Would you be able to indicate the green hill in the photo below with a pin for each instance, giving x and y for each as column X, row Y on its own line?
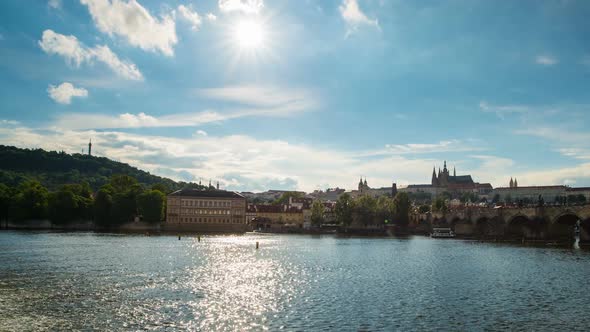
column 54, row 169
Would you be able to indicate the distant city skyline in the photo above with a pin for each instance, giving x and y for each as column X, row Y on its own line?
column 304, row 95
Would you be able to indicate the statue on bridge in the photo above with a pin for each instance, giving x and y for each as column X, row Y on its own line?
column 540, row 201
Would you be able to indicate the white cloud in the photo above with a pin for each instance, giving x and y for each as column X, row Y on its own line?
column 251, row 101
column 131, row 21
column 571, row 175
column 546, row 60
column 76, row 53
column 201, row 133
column 64, row 92
column 67, row 46
column 55, row 4
column 235, row 160
column 441, row 146
column 124, row 69
column 502, row 110
column 245, row 6
column 245, row 163
column 5, row 122
column 354, row 16
column 191, row 16
column 211, row 17
column 259, row 95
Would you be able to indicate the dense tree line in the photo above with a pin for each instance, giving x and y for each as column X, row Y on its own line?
column 52, row 169
column 366, row 211
column 120, row 200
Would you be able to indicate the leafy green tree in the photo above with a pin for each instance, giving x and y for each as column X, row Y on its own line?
column 161, row 187
column 440, row 205
column 401, row 206
column 365, row 209
column 151, row 205
column 70, row 202
column 284, row 199
column 31, row 201
column 103, row 204
column 384, row 208
column 5, row 201
column 582, row 199
column 122, row 183
column 62, row 206
column 424, row 209
column 124, row 207
column 317, row 213
column 344, row 209
column 496, row 199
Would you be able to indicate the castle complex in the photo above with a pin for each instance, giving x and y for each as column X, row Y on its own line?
column 443, row 181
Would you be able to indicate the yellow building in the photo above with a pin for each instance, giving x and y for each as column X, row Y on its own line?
column 206, row 211
column 276, row 217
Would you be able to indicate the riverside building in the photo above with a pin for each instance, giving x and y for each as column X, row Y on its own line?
column 206, row 211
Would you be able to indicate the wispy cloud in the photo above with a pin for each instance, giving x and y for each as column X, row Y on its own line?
column 546, row 60
column 444, row 146
column 245, row 102
column 134, row 23
column 242, row 162
column 55, row 4
column 258, row 95
column 502, row 110
column 211, row 17
column 76, row 53
column 245, row 6
column 64, row 93
column 191, row 16
column 354, row 16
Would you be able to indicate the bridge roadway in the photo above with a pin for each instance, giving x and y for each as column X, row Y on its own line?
column 545, row 222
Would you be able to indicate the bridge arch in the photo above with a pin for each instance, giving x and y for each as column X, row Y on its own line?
column 563, row 226
column 462, row 226
column 521, row 226
column 489, row 226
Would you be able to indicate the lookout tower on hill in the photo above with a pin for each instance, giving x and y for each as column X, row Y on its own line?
column 90, row 147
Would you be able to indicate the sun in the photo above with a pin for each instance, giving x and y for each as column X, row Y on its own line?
column 250, row 34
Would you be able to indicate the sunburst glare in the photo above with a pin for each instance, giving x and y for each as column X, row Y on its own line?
column 249, row 34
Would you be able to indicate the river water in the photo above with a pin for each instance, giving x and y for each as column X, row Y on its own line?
column 88, row 281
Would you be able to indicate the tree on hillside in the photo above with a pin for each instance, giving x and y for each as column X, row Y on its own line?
column 424, row 209
column 317, row 213
column 151, row 205
column 122, row 183
column 440, row 205
column 343, row 210
column 161, row 187
column 284, row 199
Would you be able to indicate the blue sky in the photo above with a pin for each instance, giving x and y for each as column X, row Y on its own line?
column 304, row 94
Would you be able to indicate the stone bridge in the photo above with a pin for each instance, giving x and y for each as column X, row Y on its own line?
column 545, row 222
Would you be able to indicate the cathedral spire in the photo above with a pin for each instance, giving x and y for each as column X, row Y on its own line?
column 454, row 171
column 515, row 183
column 511, row 183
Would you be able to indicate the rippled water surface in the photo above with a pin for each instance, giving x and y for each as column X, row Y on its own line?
column 85, row 281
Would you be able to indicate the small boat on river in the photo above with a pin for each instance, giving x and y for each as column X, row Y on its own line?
column 442, row 233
